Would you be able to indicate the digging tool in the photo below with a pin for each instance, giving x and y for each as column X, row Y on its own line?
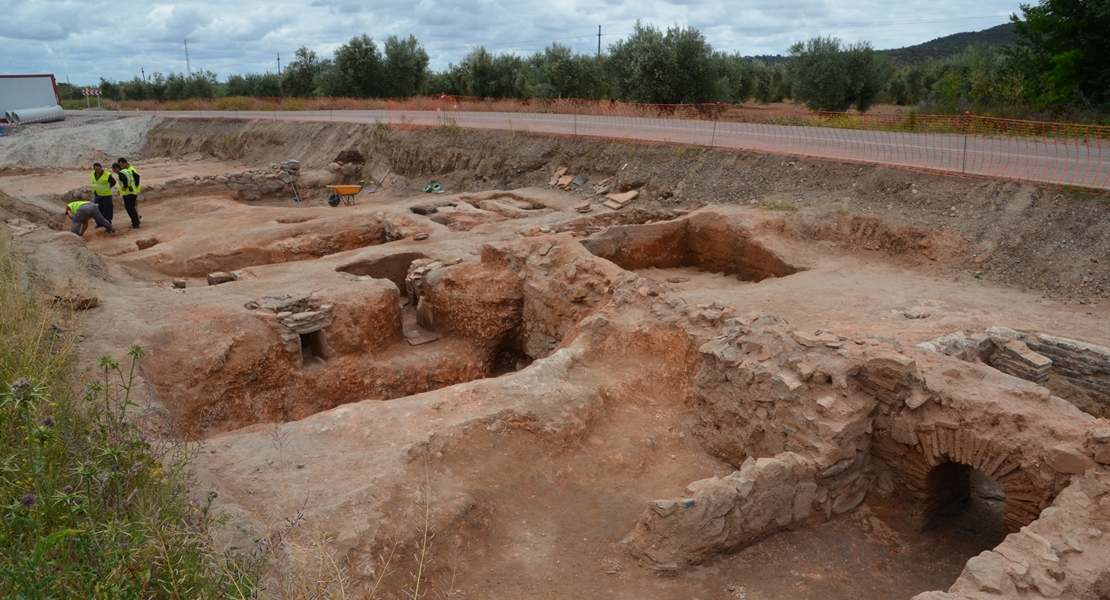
column 296, row 166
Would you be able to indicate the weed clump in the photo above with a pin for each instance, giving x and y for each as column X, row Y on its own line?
column 91, row 506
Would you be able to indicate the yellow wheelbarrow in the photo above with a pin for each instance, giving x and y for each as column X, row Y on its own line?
column 344, row 193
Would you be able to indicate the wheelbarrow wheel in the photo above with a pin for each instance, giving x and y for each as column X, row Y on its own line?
column 333, row 199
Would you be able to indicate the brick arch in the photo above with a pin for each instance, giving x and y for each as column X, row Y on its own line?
column 932, row 446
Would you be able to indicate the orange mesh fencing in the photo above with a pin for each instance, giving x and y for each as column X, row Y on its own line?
column 1041, row 153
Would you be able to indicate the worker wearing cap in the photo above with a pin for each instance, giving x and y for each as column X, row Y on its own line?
column 131, row 196
column 83, row 210
column 102, row 184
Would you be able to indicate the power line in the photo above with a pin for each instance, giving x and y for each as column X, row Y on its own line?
column 751, row 29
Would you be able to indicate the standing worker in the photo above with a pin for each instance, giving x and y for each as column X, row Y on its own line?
column 83, row 210
column 102, row 183
column 130, row 200
column 127, row 192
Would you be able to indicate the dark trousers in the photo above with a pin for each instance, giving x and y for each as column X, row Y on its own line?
column 129, row 202
column 86, row 212
column 104, row 203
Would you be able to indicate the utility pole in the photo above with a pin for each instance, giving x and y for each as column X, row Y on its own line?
column 188, row 67
column 599, row 40
column 144, row 74
column 279, row 64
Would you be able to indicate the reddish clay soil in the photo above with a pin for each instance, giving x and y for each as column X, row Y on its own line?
column 583, row 365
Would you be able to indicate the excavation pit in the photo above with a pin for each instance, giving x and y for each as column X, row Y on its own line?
column 394, row 267
column 701, row 242
column 611, row 404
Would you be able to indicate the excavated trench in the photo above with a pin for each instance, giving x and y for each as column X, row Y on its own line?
column 456, row 323
column 310, row 239
column 697, row 243
column 421, row 325
column 949, row 497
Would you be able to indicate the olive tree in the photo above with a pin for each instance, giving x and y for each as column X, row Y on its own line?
column 826, row 76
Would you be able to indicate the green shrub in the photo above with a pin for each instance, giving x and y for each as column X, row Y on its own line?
column 90, row 506
column 233, row 103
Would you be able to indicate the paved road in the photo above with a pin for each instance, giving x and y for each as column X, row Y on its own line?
column 1035, row 160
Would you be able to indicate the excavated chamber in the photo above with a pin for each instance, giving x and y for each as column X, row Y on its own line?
column 703, row 241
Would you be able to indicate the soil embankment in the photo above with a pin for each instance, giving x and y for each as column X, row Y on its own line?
column 1049, row 240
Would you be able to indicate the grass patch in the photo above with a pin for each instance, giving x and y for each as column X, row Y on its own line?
column 786, row 205
column 450, row 126
column 233, row 103
column 293, row 104
column 91, row 506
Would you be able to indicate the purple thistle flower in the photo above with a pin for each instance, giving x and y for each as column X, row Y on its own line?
column 68, row 489
column 79, row 500
column 28, row 500
column 48, row 422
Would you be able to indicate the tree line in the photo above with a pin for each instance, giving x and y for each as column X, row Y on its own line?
column 1057, row 61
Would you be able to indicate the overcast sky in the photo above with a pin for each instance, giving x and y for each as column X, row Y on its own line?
column 85, row 41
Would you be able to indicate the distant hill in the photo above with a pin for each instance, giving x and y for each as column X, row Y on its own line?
column 936, row 49
column 950, row 44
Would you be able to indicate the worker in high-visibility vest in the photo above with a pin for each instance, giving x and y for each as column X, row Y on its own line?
column 81, row 211
column 102, row 184
column 128, row 192
column 131, row 196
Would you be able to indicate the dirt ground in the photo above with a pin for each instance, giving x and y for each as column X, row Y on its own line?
column 539, row 476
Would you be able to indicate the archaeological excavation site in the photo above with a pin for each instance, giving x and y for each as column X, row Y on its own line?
column 542, row 367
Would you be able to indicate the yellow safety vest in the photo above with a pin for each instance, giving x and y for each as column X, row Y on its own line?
column 124, row 179
column 73, row 206
column 101, row 187
column 132, row 189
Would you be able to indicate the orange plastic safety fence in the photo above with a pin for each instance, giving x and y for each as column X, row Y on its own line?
column 1052, row 154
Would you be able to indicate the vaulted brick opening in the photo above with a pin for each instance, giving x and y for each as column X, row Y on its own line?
column 946, row 465
column 964, row 503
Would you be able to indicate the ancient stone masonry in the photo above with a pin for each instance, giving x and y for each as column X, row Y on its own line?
column 722, row 513
column 1060, row 555
column 845, row 414
column 1077, row 366
column 1084, row 365
column 526, row 295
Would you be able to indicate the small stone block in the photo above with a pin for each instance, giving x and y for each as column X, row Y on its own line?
column 219, row 277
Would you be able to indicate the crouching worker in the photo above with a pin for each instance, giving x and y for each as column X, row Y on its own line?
column 82, row 211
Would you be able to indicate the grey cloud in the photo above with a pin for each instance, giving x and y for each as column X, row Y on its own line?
column 183, row 21
column 45, row 21
column 245, row 36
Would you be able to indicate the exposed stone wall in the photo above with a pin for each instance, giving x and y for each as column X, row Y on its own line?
column 1085, row 366
column 855, row 409
column 528, row 293
column 478, row 301
column 724, row 513
column 1076, row 370
column 1060, row 555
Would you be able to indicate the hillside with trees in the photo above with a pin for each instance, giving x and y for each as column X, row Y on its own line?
column 1049, row 63
column 951, row 45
